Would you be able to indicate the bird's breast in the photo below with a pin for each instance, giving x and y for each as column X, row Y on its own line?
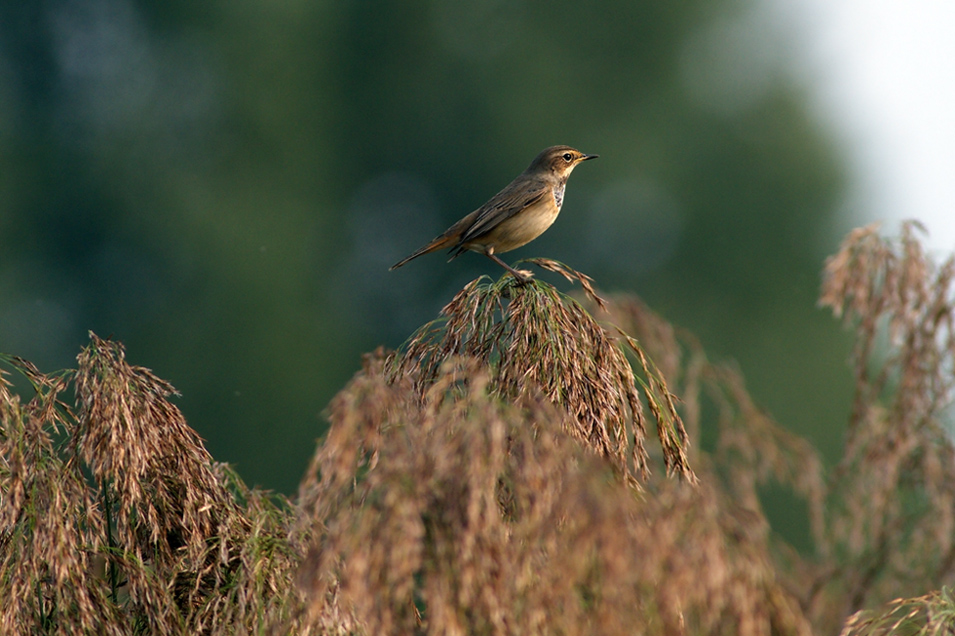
column 523, row 227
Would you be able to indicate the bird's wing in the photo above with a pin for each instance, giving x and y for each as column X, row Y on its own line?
column 508, row 202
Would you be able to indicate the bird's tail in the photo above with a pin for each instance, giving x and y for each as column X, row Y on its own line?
column 437, row 244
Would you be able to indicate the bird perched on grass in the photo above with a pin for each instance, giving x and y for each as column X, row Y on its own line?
column 516, row 215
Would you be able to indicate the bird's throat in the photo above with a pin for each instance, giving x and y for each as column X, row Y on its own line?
column 559, row 193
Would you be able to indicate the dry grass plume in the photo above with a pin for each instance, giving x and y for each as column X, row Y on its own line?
column 496, row 475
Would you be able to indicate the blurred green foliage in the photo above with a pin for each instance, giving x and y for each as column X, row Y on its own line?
column 222, row 186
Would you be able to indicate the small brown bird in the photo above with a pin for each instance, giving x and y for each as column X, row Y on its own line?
column 516, row 215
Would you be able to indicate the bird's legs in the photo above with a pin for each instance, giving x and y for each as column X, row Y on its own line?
column 522, row 279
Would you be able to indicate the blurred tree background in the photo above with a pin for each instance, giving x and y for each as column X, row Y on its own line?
column 222, row 186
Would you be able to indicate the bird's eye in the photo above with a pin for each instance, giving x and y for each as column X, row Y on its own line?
column 568, row 156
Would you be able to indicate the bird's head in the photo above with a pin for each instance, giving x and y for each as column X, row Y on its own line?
column 558, row 161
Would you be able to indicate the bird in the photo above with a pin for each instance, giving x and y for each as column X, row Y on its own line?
column 516, row 215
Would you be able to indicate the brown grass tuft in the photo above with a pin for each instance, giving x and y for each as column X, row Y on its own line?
column 532, row 339
column 927, row 615
column 481, row 480
column 752, row 449
column 48, row 520
column 893, row 494
column 453, row 511
column 117, row 521
column 882, row 521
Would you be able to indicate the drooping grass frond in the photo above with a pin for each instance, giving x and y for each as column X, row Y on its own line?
column 535, row 340
column 49, row 521
column 115, row 519
column 457, row 511
column 929, row 615
column 478, row 480
column 893, row 493
column 751, row 448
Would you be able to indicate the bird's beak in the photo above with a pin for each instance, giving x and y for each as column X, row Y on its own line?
column 586, row 157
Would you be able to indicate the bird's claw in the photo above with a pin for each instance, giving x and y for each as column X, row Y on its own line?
column 522, row 276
